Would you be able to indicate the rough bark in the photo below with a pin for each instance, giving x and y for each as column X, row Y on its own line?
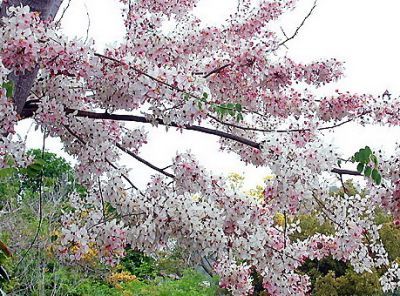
column 23, row 82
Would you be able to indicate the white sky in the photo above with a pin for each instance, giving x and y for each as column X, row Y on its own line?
column 364, row 33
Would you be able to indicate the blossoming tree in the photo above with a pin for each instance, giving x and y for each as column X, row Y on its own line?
column 231, row 82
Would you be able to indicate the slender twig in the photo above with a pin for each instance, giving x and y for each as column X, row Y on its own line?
column 342, row 182
column 323, row 207
column 63, row 13
column 285, row 130
column 298, row 28
column 284, row 229
column 138, row 158
column 141, row 72
column 103, row 221
column 102, row 200
column 106, row 159
column 217, row 70
column 40, row 207
column 167, row 167
column 88, row 26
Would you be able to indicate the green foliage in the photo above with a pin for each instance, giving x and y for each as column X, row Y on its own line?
column 5, row 255
column 318, row 269
column 390, row 235
column 222, row 110
column 58, row 280
column 367, row 164
column 49, row 170
column 348, row 285
column 171, row 263
column 310, row 225
column 66, row 281
column 9, row 87
column 144, row 267
column 148, row 268
column 192, row 283
column 232, row 109
column 56, row 170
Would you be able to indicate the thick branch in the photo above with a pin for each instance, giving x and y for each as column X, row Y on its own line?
column 134, row 118
column 28, row 112
column 345, row 172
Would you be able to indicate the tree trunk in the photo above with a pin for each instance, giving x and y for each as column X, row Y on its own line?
column 23, row 83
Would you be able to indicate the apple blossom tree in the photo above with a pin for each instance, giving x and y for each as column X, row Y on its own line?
column 232, row 82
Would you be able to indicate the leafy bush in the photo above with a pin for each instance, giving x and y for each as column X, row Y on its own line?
column 350, row 284
column 192, row 283
column 142, row 266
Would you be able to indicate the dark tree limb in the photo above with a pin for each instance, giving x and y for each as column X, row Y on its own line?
column 29, row 111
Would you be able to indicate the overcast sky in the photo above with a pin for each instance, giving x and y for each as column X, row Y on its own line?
column 364, row 33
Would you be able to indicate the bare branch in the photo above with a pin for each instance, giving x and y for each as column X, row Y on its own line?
column 218, row 70
column 103, row 207
column 138, row 158
column 345, row 172
column 63, row 13
column 88, row 26
column 298, row 28
column 40, row 205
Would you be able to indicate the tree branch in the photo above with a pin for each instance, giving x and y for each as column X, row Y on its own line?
column 286, row 130
column 106, row 159
column 298, row 28
column 345, row 172
column 134, row 118
column 138, row 158
column 141, row 72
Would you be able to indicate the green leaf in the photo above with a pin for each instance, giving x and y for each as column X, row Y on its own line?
column 367, row 171
column 368, row 150
column 374, row 159
column 360, row 167
column 364, row 155
column 378, row 179
column 40, row 161
column 186, row 96
column 9, row 87
column 7, row 172
column 376, row 176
